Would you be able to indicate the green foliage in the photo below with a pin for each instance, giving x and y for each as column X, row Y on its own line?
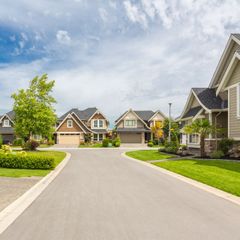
column 175, row 131
column 18, row 142
column 171, row 147
column 87, row 137
column 1, row 141
column 225, row 145
column 150, row 144
column 33, row 107
column 23, row 161
column 105, row 142
column 116, row 142
column 6, row 149
column 217, row 154
column 31, row 145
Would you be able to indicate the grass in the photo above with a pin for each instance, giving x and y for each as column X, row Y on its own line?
column 90, row 145
column 9, row 172
column 146, row 155
column 221, row 174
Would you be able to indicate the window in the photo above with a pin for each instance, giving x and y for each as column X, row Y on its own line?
column 69, row 123
column 130, row 123
column 98, row 123
column 6, row 123
column 95, row 123
column 194, row 138
column 97, row 137
column 100, row 137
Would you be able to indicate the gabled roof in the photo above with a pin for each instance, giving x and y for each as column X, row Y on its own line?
column 192, row 112
column 10, row 115
column 145, row 115
column 236, row 35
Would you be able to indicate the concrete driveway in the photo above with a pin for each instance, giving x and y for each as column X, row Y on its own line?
column 101, row 196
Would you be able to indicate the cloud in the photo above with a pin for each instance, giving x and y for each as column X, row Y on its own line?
column 63, row 37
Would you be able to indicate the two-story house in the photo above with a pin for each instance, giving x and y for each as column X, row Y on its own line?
column 6, row 127
column 135, row 126
column 75, row 125
column 220, row 102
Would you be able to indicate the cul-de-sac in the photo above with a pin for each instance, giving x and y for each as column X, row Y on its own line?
column 119, row 120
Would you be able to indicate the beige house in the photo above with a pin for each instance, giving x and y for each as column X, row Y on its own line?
column 75, row 125
column 220, row 102
column 135, row 126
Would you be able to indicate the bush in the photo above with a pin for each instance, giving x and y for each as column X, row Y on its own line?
column 150, row 144
column 18, row 142
column 23, row 161
column 51, row 142
column 116, row 142
column 1, row 141
column 225, row 145
column 155, row 142
column 217, row 154
column 6, row 149
column 31, row 145
column 105, row 142
column 171, row 147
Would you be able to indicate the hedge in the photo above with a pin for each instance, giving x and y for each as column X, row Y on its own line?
column 26, row 162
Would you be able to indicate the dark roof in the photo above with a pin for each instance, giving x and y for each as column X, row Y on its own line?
column 237, row 35
column 192, row 112
column 82, row 114
column 145, row 115
column 11, row 114
column 208, row 98
column 132, row 130
column 100, row 130
column 6, row 130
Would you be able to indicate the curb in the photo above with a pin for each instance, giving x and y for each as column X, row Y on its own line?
column 217, row 192
column 9, row 214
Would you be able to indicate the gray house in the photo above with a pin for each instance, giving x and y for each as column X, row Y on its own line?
column 6, row 127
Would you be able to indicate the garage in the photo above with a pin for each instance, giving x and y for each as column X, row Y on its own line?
column 131, row 137
column 69, row 139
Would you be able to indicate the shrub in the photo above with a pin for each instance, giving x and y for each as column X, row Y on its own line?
column 1, row 141
column 51, row 142
column 31, row 145
column 18, row 142
column 116, row 142
column 217, row 154
column 150, row 144
column 155, row 142
column 105, row 142
column 6, row 149
column 225, row 145
column 171, row 147
column 23, row 161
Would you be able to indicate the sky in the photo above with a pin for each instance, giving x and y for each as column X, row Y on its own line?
column 112, row 54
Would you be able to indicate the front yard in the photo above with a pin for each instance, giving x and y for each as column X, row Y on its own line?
column 146, row 155
column 10, row 172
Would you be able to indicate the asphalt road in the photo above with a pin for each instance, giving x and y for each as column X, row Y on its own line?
column 101, row 196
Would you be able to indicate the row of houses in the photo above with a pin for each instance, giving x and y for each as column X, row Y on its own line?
column 219, row 102
column 75, row 125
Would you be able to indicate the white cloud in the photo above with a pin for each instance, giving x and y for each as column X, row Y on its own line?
column 63, row 37
column 103, row 14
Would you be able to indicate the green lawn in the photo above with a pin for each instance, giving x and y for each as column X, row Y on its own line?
column 95, row 145
column 10, row 172
column 146, row 155
column 224, row 175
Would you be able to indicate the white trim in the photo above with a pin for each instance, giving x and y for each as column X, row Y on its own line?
column 228, row 113
column 227, row 48
column 238, row 100
column 69, row 133
column 158, row 111
column 7, row 125
column 98, row 121
column 69, row 125
column 97, row 112
column 228, row 72
column 236, row 138
column 232, row 86
column 197, row 115
column 5, row 115
column 208, row 110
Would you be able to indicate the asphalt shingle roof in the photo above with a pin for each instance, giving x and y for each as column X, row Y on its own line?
column 237, row 35
column 137, row 130
column 192, row 112
column 145, row 115
column 208, row 98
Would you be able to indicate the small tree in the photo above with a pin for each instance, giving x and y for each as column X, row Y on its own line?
column 33, row 107
column 157, row 130
column 175, row 131
column 203, row 128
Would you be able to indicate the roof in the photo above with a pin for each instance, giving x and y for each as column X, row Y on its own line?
column 11, row 114
column 236, row 35
column 192, row 112
column 6, row 130
column 82, row 114
column 207, row 96
column 145, row 115
column 132, row 130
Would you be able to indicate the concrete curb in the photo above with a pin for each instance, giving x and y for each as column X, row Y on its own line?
column 9, row 214
column 202, row 186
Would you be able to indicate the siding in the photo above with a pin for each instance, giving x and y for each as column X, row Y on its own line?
column 235, row 77
column 64, row 127
column 130, row 116
column 234, row 122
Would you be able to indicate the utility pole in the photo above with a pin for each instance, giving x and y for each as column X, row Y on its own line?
column 169, row 124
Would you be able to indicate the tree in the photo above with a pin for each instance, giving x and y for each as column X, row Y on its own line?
column 175, row 131
column 157, row 130
column 203, row 128
column 33, row 107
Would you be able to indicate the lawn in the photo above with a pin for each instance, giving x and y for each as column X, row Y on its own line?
column 10, row 172
column 146, row 155
column 224, row 175
column 95, row 145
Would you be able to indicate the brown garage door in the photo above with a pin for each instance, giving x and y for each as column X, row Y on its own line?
column 131, row 137
column 69, row 139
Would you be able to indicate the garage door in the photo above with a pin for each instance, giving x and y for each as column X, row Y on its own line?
column 131, row 137
column 69, row 139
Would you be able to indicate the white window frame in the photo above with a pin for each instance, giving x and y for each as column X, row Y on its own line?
column 238, row 100
column 8, row 123
column 197, row 137
column 97, row 138
column 69, row 123
column 130, row 125
column 96, row 123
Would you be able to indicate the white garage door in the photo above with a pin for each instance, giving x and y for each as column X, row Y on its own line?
column 69, row 139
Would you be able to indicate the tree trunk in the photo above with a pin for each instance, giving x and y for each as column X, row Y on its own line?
column 202, row 146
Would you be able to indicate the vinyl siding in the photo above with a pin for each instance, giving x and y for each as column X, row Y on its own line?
column 234, row 122
column 64, row 127
column 235, row 77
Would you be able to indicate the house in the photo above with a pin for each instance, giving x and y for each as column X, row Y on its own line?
column 219, row 103
column 75, row 126
column 6, row 127
column 135, row 126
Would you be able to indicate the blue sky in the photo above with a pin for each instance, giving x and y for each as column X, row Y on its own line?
column 114, row 54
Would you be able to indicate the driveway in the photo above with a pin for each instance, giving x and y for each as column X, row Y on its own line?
column 101, row 196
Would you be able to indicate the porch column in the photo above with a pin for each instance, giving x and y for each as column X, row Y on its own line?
column 211, row 122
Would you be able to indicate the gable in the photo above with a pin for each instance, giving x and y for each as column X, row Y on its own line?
column 235, row 77
column 76, row 126
column 5, row 117
column 158, row 117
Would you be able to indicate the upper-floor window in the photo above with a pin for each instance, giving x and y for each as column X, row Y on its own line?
column 130, row 123
column 98, row 123
column 69, row 123
column 6, row 123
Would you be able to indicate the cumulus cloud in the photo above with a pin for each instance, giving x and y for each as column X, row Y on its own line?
column 63, row 37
